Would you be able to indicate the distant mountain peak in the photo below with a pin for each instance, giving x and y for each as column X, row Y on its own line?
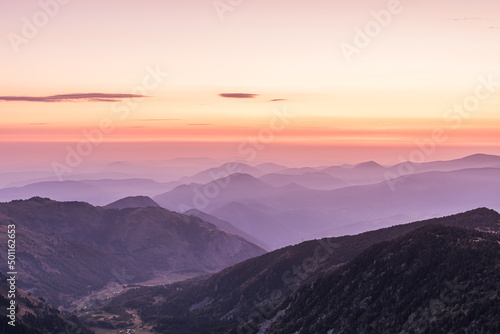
column 132, row 202
column 235, row 204
column 270, row 167
column 236, row 163
column 293, row 187
column 39, row 199
column 241, row 177
column 369, row 164
column 482, row 210
column 222, row 171
column 481, row 156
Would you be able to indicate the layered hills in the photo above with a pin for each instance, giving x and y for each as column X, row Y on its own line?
column 68, row 249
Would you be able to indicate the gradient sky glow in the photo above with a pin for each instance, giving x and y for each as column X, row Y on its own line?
column 395, row 91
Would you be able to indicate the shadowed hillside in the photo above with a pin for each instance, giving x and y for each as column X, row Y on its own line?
column 72, row 248
column 257, row 286
column 34, row 316
column 434, row 280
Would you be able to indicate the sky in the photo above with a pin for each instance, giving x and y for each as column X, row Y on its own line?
column 296, row 81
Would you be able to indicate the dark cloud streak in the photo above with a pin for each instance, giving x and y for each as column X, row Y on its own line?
column 87, row 97
column 238, row 95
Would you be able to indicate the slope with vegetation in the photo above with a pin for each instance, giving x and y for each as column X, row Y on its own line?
column 250, row 293
column 34, row 316
column 69, row 249
column 434, row 280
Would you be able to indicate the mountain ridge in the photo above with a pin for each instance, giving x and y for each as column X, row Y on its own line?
column 436, row 278
column 242, row 290
column 100, row 242
column 132, row 202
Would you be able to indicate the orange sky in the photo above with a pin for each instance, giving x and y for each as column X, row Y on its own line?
column 394, row 92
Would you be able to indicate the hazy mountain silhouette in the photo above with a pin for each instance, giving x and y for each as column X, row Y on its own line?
column 260, row 225
column 160, row 171
column 363, row 173
column 235, row 187
column 223, row 171
column 62, row 191
column 21, row 177
column 96, row 192
column 270, row 167
column 262, row 210
column 317, row 180
column 299, row 170
column 227, row 226
column 472, row 161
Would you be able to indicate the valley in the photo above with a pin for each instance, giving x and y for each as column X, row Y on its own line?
column 250, row 167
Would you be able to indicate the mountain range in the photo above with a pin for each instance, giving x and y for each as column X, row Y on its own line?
column 276, row 206
column 103, row 184
column 285, row 215
column 196, row 246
